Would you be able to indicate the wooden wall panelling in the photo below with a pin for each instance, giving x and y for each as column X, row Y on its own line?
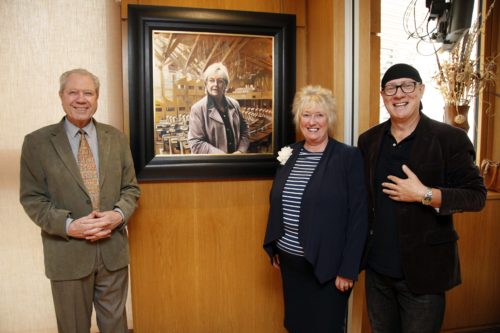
column 358, row 316
column 489, row 121
column 197, row 263
column 325, row 56
column 338, row 69
column 494, row 113
column 269, row 6
column 493, row 109
column 375, row 31
column 369, row 63
column 369, row 52
column 476, row 302
column 301, row 59
column 320, row 43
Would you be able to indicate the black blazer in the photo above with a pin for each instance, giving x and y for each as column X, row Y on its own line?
column 442, row 157
column 334, row 217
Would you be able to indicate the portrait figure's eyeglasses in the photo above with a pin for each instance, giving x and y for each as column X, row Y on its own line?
column 217, row 81
column 406, row 87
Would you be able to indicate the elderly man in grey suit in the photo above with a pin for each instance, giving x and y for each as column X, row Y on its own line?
column 78, row 185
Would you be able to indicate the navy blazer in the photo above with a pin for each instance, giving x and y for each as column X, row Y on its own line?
column 442, row 157
column 333, row 218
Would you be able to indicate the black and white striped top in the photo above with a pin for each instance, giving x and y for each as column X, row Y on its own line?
column 292, row 199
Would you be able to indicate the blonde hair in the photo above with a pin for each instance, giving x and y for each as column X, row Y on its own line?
column 218, row 68
column 310, row 96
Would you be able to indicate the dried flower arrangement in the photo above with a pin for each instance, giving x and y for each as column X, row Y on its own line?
column 460, row 77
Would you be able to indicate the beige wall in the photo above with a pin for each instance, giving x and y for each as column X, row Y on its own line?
column 39, row 40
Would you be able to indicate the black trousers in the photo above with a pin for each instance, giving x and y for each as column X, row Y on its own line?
column 310, row 307
column 393, row 308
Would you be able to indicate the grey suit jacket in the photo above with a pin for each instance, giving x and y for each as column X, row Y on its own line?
column 52, row 189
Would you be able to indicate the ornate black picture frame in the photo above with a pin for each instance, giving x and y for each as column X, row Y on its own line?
column 164, row 45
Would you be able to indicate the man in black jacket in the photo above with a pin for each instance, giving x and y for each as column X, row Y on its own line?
column 419, row 172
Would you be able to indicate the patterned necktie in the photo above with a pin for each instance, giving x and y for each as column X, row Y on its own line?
column 88, row 170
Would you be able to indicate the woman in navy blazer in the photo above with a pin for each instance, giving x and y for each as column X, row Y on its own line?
column 317, row 223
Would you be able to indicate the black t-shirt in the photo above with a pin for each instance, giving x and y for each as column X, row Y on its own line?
column 384, row 255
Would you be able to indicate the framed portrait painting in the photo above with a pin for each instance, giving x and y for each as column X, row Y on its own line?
column 210, row 91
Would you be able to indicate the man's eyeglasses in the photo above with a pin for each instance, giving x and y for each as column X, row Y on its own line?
column 406, row 87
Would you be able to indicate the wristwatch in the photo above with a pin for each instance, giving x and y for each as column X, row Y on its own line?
column 427, row 198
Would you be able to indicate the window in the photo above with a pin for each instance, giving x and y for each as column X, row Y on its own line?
column 398, row 20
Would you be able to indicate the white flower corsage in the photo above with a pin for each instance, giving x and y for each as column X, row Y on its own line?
column 284, row 154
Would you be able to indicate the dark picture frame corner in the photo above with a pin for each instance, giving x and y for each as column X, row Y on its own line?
column 157, row 160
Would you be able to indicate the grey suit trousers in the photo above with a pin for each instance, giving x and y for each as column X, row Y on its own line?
column 106, row 290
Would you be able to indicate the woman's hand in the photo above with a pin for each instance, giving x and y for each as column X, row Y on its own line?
column 343, row 284
column 276, row 262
